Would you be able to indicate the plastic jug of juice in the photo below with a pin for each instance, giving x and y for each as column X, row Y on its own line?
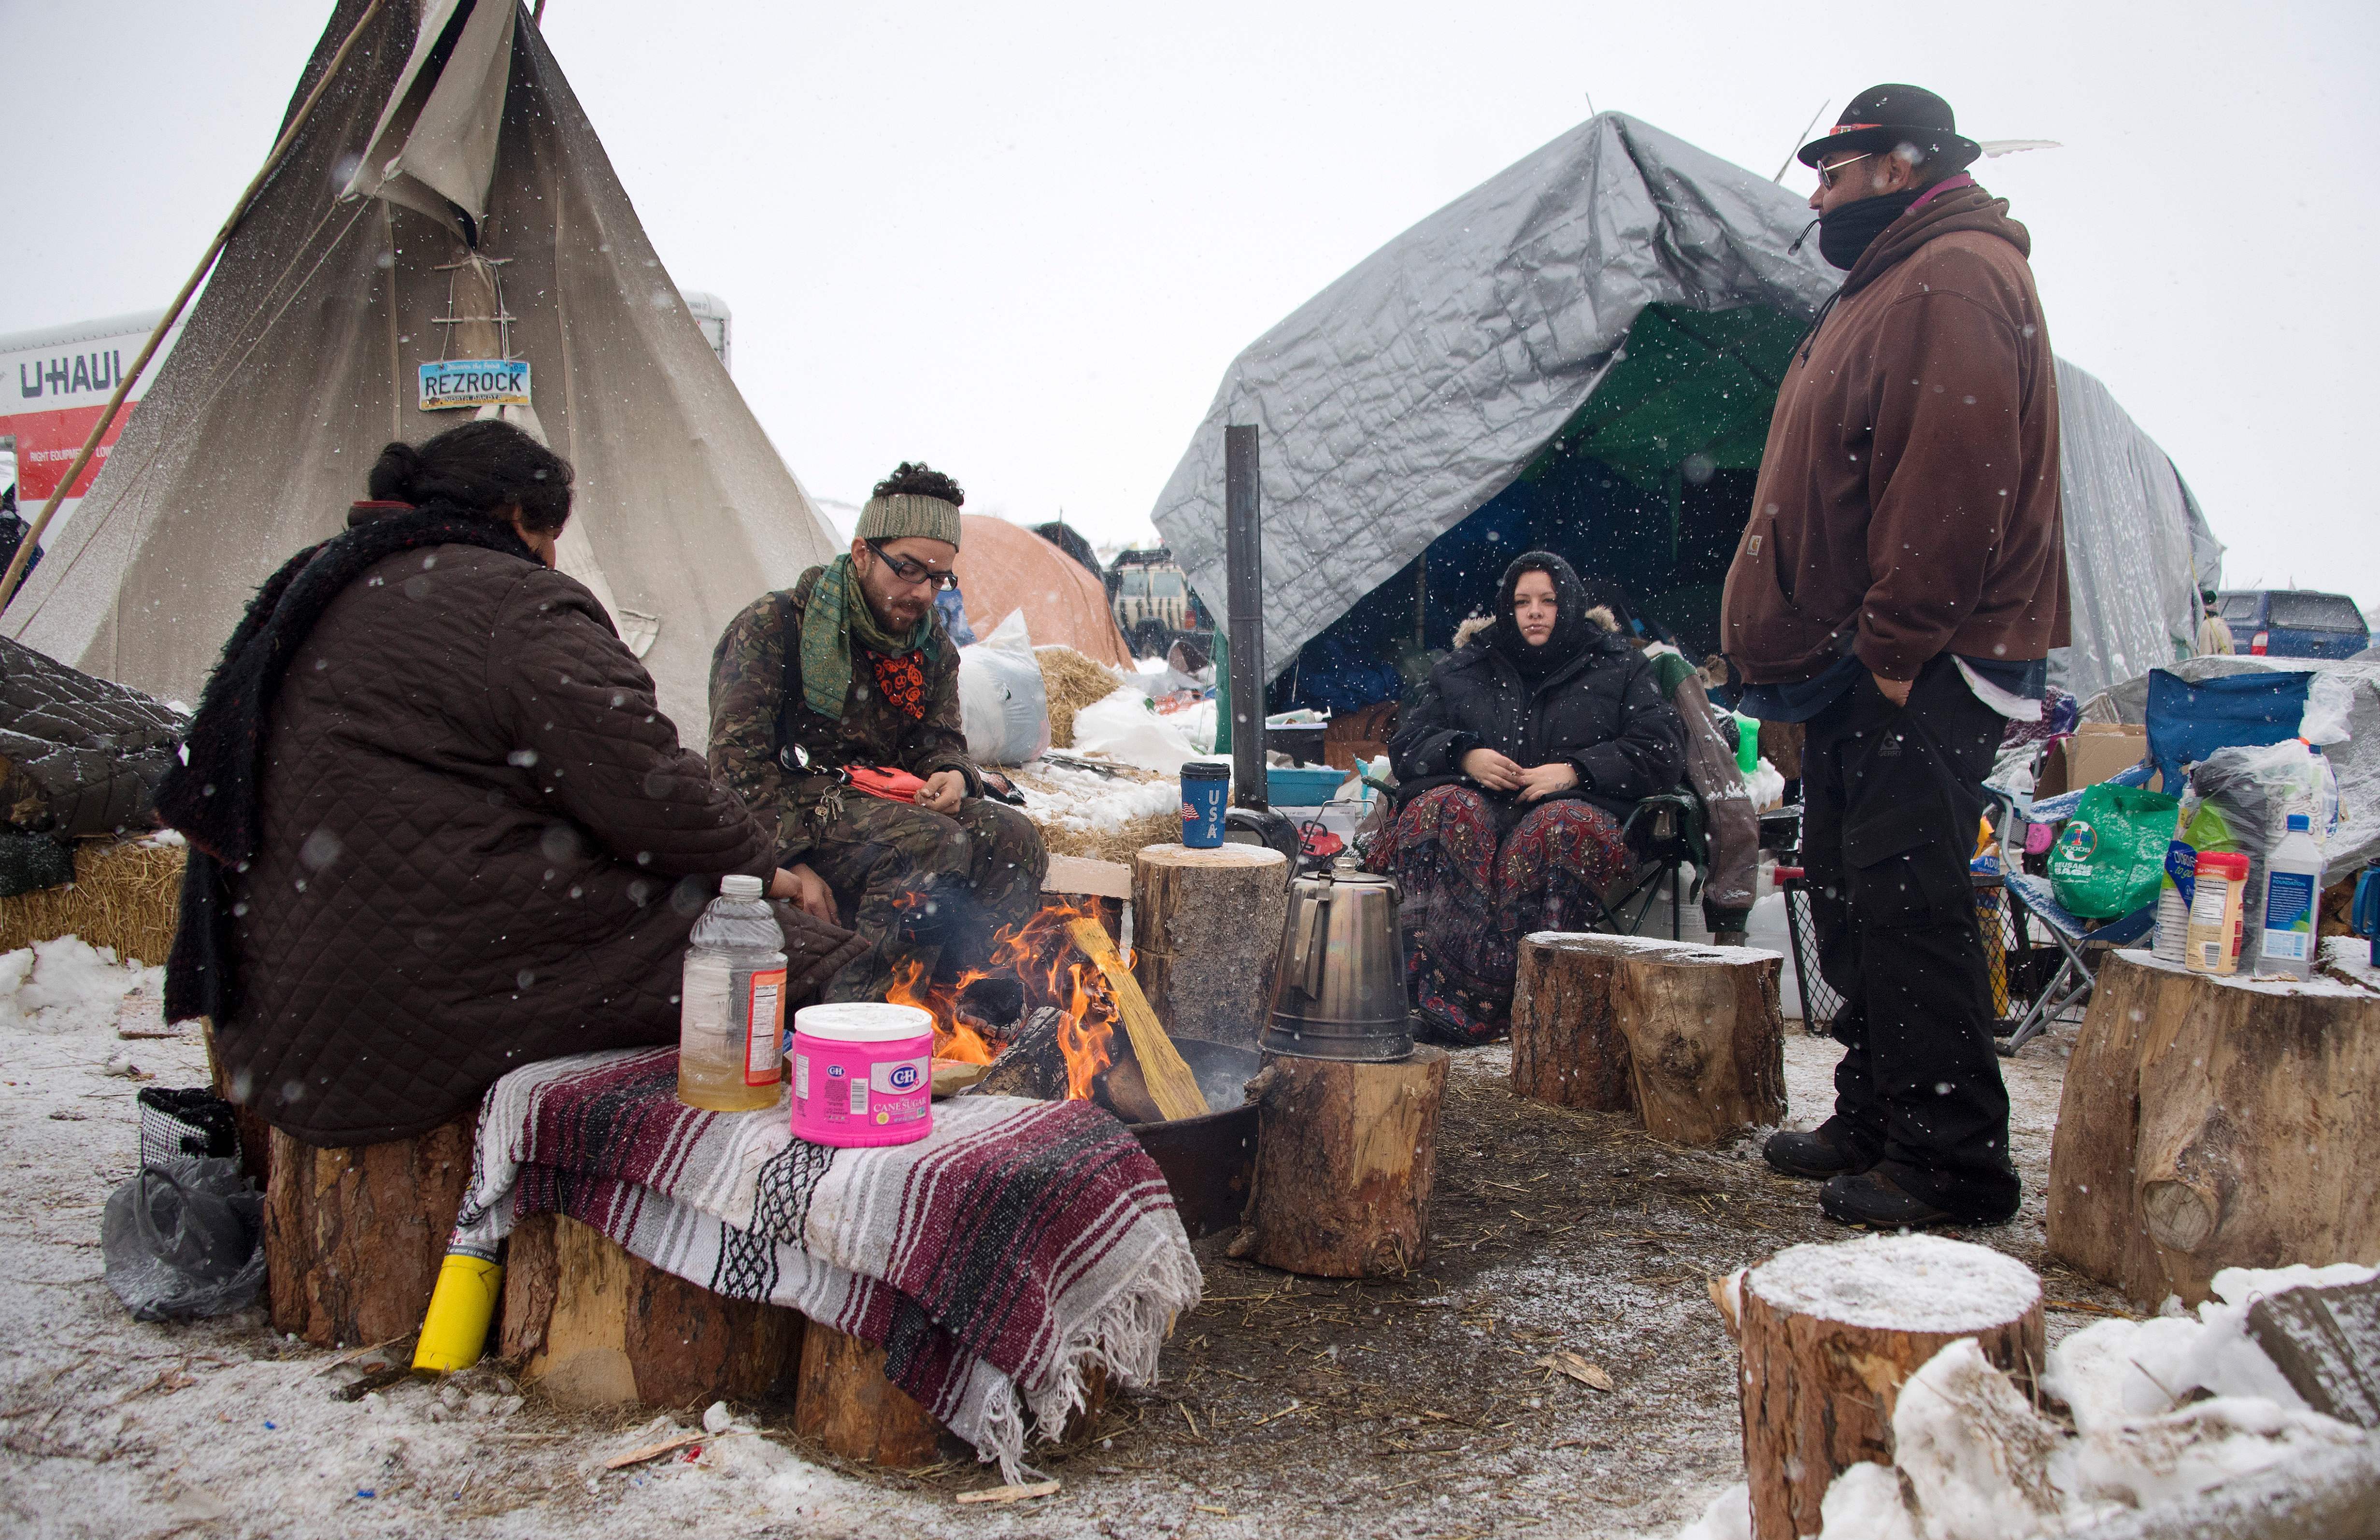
column 2293, row 900
column 731, row 1047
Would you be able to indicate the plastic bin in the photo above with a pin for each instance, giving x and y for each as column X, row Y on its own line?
column 1306, row 786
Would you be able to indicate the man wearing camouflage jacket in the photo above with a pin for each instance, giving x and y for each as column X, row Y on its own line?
column 851, row 668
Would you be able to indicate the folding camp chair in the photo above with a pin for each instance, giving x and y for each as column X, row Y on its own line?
column 2031, row 898
column 1664, row 832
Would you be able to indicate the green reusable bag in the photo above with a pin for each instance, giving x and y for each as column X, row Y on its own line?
column 2110, row 857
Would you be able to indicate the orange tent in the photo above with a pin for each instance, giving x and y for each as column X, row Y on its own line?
column 1004, row 566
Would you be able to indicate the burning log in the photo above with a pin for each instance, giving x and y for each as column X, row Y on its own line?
column 1170, row 1084
column 1036, row 1065
column 1032, row 1066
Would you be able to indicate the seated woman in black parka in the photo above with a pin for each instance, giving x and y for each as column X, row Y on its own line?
column 1516, row 765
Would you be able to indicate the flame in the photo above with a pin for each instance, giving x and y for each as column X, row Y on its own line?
column 1040, row 956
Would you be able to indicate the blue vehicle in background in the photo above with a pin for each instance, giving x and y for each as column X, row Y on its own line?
column 2293, row 622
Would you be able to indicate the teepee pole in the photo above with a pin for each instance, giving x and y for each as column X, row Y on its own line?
column 32, row 540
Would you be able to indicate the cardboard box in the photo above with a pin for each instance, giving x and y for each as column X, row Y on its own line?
column 2096, row 751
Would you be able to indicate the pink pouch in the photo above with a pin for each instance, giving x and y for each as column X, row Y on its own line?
column 2037, row 839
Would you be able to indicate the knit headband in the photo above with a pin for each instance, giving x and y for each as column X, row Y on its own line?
column 906, row 513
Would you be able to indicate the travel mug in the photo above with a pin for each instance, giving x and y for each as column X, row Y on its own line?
column 1206, row 788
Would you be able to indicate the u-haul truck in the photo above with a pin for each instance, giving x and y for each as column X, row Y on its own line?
column 54, row 384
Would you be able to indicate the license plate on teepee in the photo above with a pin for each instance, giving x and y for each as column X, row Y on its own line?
column 475, row 383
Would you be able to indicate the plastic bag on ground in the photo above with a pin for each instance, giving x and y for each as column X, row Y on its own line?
column 185, row 1239
column 1003, row 706
column 1125, row 727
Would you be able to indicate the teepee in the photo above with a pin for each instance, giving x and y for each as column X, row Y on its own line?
column 448, row 200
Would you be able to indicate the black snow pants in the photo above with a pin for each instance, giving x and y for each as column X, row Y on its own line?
column 1891, row 797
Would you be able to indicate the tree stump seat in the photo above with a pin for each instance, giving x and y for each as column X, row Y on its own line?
column 1205, row 930
column 1688, row 1039
column 1829, row 1334
column 2209, row 1123
column 1346, row 1160
column 354, row 1238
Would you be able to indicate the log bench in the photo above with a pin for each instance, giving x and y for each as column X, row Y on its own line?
column 594, row 1326
column 2209, row 1123
column 1688, row 1038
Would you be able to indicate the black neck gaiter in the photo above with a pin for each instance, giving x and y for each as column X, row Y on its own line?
column 1845, row 235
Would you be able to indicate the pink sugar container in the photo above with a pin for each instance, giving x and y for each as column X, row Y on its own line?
column 863, row 1073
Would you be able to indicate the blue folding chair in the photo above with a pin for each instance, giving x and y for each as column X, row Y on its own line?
column 2187, row 722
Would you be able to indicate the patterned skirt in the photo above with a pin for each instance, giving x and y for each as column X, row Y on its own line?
column 1470, row 896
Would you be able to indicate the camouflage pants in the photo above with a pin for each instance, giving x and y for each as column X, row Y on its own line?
column 904, row 879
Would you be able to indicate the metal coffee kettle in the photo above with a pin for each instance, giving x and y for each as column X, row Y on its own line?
column 1338, row 985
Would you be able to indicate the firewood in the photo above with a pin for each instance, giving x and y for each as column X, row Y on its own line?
column 1170, row 1083
column 2209, row 1123
column 1033, row 1066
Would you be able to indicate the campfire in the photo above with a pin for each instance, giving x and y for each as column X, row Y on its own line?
column 1064, row 998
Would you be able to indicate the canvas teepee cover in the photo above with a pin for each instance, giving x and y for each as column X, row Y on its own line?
column 450, row 136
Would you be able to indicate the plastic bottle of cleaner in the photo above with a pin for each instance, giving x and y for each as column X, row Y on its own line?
column 731, row 1004
column 2293, row 899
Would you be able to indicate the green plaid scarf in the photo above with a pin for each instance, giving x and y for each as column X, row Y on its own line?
column 837, row 612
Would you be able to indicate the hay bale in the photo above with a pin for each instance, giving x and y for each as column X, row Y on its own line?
column 1072, row 681
column 126, row 894
column 1119, row 844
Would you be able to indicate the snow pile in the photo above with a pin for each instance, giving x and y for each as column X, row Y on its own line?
column 1063, row 796
column 68, row 986
column 1974, row 1460
column 1898, row 1283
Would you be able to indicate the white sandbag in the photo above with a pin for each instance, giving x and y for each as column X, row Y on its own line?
column 1003, row 703
column 1125, row 727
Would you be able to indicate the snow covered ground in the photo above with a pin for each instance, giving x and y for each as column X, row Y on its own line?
column 1401, row 1408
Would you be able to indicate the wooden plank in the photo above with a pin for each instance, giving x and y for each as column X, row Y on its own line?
column 1080, row 874
column 2326, row 1342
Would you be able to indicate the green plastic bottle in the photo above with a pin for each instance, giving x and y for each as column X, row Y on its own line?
column 1747, row 744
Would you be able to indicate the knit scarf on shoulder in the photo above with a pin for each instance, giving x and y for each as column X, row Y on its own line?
column 838, row 612
column 211, row 796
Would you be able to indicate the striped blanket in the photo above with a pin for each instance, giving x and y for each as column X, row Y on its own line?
column 999, row 1260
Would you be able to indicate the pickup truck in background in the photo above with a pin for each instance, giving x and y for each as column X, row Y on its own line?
column 2293, row 622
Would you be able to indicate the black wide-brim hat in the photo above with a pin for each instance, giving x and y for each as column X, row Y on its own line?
column 1884, row 118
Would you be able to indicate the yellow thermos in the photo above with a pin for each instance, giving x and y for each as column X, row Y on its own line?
column 455, row 1330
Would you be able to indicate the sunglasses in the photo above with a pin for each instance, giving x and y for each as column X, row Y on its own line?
column 1827, row 174
column 914, row 572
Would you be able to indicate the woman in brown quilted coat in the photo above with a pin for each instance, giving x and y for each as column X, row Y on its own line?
column 440, row 827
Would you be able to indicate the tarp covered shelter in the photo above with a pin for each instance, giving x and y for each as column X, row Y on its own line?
column 1004, row 566
column 1581, row 353
column 448, row 182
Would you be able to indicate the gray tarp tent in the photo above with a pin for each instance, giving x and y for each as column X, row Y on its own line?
column 450, row 135
column 1459, row 358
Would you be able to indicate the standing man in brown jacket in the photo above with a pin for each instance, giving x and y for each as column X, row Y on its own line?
column 1898, row 588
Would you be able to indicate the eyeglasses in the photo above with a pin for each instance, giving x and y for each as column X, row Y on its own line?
column 915, row 572
column 1826, row 173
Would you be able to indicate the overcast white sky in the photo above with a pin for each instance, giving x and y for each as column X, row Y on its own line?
column 1022, row 242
